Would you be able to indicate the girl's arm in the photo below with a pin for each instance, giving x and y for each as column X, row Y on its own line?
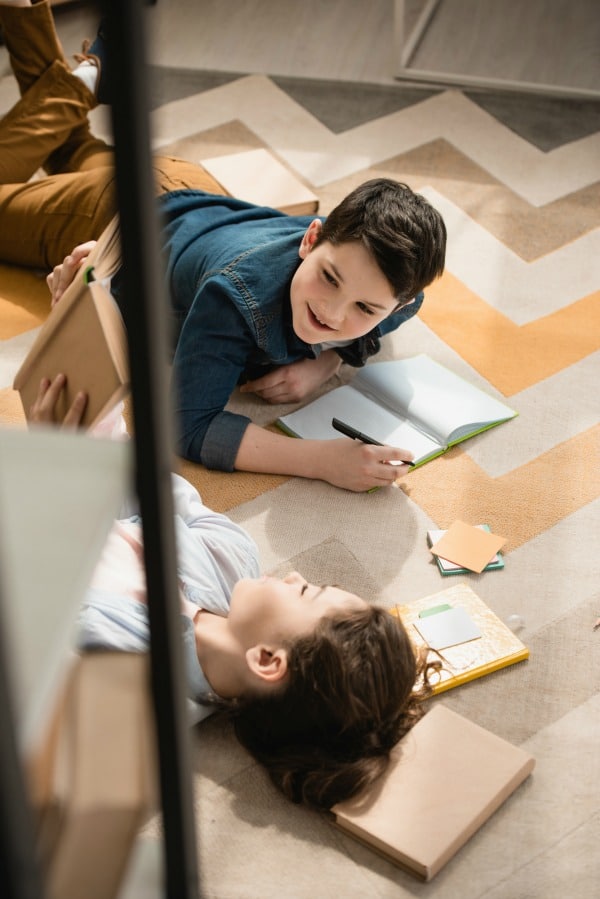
column 343, row 462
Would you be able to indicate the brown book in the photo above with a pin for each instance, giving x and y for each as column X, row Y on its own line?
column 93, row 779
column 84, row 338
column 446, row 778
column 258, row 177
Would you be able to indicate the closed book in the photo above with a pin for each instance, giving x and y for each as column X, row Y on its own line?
column 93, row 779
column 496, row 648
column 447, row 776
column 83, row 338
column 256, row 176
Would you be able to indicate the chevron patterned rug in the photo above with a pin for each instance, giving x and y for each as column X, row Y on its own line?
column 517, row 179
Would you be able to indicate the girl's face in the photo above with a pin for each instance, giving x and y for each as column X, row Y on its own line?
column 338, row 292
column 271, row 609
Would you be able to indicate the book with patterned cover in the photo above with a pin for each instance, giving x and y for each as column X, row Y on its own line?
column 497, row 647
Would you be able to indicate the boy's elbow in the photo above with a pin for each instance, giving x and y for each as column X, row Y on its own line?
column 215, row 444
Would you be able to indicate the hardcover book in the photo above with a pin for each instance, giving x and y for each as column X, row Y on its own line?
column 84, row 338
column 447, row 776
column 496, row 646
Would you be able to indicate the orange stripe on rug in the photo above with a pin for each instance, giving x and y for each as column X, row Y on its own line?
column 223, row 490
column 11, row 409
column 24, row 301
column 511, row 357
column 518, row 505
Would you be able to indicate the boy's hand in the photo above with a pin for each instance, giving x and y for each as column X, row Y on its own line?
column 343, row 462
column 361, row 466
column 62, row 275
column 43, row 410
column 296, row 381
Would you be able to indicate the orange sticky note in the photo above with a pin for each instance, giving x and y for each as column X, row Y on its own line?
column 468, row 546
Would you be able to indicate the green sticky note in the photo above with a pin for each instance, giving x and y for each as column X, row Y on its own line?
column 434, row 610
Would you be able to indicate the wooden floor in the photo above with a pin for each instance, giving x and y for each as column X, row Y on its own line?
column 553, row 42
column 540, row 42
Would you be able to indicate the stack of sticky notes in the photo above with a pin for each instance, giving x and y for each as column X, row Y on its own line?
column 465, row 548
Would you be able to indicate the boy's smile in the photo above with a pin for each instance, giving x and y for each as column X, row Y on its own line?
column 338, row 292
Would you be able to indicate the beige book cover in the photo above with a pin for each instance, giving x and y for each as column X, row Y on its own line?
column 446, row 778
column 93, row 778
column 84, row 337
column 256, row 176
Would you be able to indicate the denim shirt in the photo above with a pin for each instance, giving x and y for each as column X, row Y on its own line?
column 229, row 266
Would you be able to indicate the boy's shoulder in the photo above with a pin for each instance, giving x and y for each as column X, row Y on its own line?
column 227, row 210
column 221, row 233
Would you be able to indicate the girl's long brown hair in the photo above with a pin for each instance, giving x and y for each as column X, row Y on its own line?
column 349, row 697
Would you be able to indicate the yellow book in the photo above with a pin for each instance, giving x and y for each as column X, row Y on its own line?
column 496, row 647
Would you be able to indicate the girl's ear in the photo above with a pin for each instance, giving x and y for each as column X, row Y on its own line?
column 269, row 664
column 310, row 236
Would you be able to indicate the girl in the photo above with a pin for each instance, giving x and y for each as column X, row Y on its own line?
column 320, row 684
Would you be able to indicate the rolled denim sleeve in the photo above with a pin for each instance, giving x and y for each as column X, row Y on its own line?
column 357, row 352
column 398, row 318
column 222, row 441
column 213, row 346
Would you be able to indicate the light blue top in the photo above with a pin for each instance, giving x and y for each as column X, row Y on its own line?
column 213, row 553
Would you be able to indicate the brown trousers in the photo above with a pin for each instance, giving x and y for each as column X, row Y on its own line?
column 43, row 217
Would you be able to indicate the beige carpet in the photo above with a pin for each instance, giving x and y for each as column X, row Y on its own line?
column 517, row 312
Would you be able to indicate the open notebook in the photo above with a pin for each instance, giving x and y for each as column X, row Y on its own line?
column 415, row 404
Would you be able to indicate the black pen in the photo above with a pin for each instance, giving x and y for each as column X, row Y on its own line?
column 349, row 431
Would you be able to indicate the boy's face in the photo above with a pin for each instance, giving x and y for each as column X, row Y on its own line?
column 276, row 610
column 338, row 292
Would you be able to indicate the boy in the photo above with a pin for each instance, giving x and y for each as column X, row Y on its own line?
column 271, row 302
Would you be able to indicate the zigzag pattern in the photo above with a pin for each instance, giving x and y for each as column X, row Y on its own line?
column 531, row 329
column 518, row 312
column 519, row 289
column 317, row 154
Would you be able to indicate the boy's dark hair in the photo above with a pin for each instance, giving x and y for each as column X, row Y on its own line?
column 403, row 233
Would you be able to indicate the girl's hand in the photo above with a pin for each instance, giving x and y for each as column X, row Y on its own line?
column 43, row 411
column 62, row 275
column 296, row 381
